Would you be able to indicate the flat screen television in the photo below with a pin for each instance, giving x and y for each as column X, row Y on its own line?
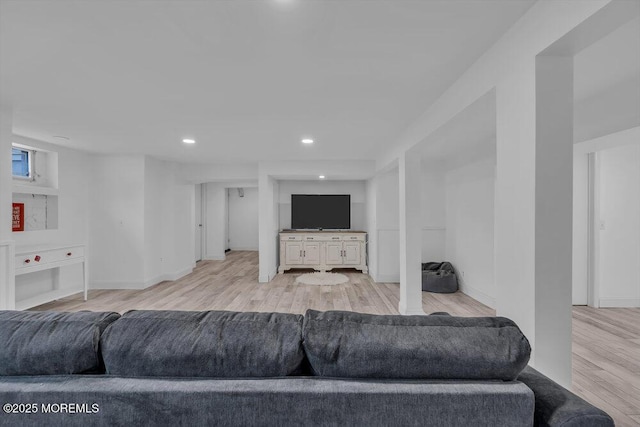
column 321, row 211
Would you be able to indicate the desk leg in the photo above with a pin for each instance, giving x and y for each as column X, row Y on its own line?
column 85, row 278
column 55, row 279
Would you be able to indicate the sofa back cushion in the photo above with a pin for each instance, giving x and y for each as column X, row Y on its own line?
column 51, row 343
column 204, row 344
column 355, row 345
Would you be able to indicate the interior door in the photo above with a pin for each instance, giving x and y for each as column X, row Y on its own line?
column 334, row 253
column 293, row 253
column 198, row 223
column 352, row 253
column 311, row 253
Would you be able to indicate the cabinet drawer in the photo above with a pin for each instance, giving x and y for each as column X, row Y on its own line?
column 47, row 256
column 287, row 237
column 354, row 237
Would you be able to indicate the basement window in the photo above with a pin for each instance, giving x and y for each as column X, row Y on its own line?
column 22, row 163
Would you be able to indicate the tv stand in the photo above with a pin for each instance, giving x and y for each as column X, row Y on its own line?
column 323, row 250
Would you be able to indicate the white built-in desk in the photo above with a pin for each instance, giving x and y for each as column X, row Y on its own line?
column 29, row 259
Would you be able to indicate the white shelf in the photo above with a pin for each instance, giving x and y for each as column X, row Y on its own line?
column 34, row 189
column 46, row 297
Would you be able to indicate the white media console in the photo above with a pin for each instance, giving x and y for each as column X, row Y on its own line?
column 323, row 250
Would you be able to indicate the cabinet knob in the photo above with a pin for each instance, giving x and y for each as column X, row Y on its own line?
column 69, row 253
column 27, row 261
column 37, row 258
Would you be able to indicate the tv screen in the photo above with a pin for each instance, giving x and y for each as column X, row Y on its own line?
column 332, row 211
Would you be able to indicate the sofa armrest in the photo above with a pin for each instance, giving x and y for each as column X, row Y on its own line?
column 557, row 406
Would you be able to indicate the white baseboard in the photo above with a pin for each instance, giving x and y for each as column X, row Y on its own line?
column 214, row 257
column 478, row 295
column 263, row 279
column 169, row 276
column 245, row 249
column 267, row 278
column 619, row 302
column 141, row 285
column 411, row 312
column 105, row 284
column 388, row 278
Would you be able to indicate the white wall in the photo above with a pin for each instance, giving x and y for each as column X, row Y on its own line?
column 141, row 223
column 117, row 249
column 243, row 219
column 619, row 215
column 470, row 192
column 356, row 189
column 169, row 223
column 580, row 294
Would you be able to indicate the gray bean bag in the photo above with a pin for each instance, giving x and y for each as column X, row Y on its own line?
column 439, row 277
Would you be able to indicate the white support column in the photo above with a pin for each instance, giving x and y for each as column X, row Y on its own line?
column 266, row 238
column 554, row 215
column 533, row 209
column 410, row 235
column 7, row 279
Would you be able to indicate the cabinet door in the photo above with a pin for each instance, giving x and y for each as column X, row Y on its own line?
column 334, row 253
column 293, row 253
column 352, row 253
column 311, row 253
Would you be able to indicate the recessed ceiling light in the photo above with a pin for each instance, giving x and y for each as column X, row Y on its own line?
column 321, row 177
column 307, row 141
column 189, row 141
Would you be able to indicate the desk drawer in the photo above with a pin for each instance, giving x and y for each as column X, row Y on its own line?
column 47, row 256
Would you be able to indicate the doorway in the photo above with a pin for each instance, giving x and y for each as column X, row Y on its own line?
column 198, row 223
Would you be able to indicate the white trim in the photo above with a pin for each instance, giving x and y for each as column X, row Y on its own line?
column 414, row 311
column 263, row 279
column 593, row 231
column 214, row 257
column 117, row 285
column 619, row 302
column 616, row 139
column 388, row 278
column 272, row 274
column 478, row 295
column 142, row 285
column 253, row 248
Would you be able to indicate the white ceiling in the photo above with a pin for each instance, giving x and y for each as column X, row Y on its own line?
column 606, row 100
column 246, row 79
column 607, row 84
column 468, row 137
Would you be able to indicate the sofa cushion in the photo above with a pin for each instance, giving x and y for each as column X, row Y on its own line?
column 355, row 345
column 51, row 343
column 204, row 344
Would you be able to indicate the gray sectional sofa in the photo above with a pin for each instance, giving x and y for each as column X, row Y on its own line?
column 225, row 368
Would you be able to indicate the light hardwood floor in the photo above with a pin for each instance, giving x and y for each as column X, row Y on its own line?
column 606, row 342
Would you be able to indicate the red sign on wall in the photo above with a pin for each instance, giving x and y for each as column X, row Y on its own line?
column 18, row 217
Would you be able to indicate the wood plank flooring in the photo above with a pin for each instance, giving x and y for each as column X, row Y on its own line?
column 606, row 342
